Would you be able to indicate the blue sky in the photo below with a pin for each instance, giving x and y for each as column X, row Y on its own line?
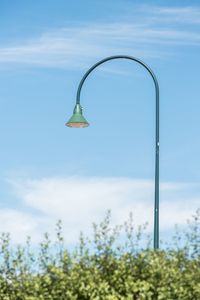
column 49, row 171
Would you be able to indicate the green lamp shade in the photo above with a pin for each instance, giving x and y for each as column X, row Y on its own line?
column 77, row 120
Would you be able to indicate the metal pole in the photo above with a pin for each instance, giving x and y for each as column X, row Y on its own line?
column 156, row 203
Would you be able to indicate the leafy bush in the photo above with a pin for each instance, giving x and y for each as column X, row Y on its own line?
column 113, row 265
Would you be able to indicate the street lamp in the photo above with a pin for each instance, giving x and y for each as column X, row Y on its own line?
column 78, row 121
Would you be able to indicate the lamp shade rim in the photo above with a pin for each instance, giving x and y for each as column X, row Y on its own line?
column 77, row 124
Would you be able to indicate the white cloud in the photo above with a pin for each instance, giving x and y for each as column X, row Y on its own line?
column 184, row 14
column 77, row 46
column 80, row 201
column 20, row 225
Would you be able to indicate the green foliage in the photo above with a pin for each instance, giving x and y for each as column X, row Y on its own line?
column 113, row 265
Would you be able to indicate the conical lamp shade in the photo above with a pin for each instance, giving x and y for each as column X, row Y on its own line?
column 77, row 120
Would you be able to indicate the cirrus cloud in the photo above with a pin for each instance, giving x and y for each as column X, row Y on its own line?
column 157, row 33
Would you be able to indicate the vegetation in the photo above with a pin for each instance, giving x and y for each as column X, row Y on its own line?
column 113, row 265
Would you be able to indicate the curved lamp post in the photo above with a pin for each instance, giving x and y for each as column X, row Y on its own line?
column 77, row 120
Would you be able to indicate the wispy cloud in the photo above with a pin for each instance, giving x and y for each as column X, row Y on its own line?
column 73, row 47
column 186, row 15
column 151, row 35
column 79, row 201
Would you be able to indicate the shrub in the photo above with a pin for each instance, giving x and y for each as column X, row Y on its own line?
column 114, row 264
